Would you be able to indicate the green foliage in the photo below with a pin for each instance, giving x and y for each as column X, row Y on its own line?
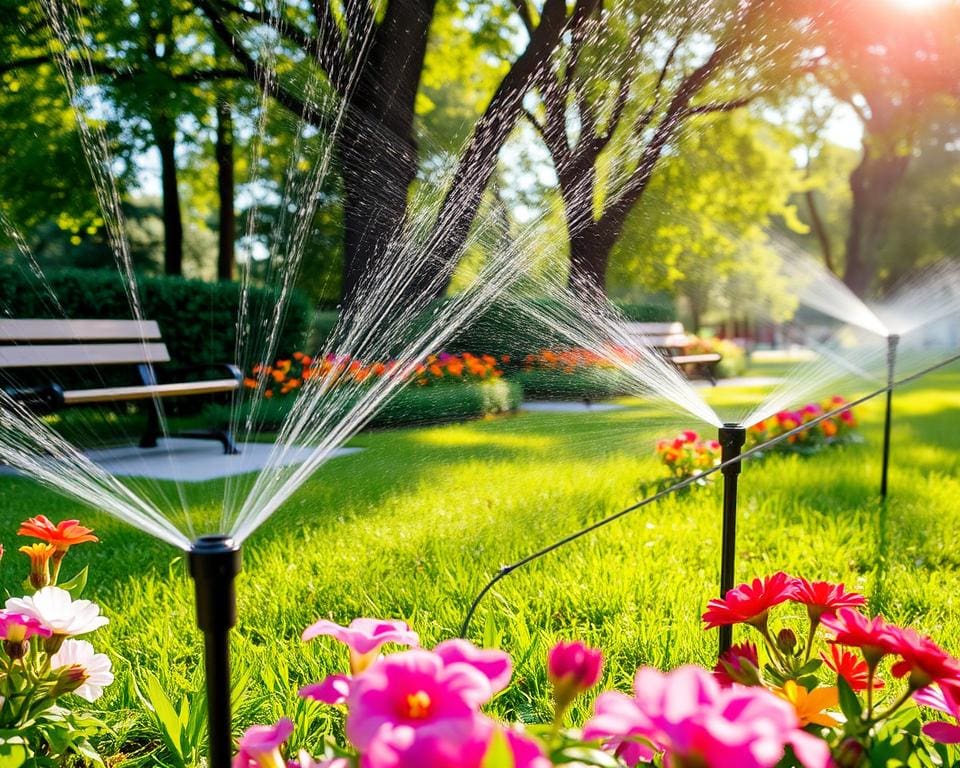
column 197, row 319
column 596, row 383
column 411, row 405
column 700, row 235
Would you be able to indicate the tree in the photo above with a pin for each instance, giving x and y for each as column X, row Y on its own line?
column 895, row 68
column 372, row 56
column 149, row 59
column 620, row 91
column 703, row 238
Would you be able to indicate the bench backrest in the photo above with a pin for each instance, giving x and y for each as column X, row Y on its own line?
column 49, row 343
column 667, row 335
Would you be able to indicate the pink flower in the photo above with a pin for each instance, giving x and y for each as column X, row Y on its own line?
column 944, row 698
column 495, row 665
column 17, row 627
column 260, row 745
column 333, row 689
column 739, row 664
column 874, row 637
column 364, row 638
column 922, row 659
column 749, row 603
column 461, row 745
column 572, row 668
column 687, row 715
column 416, row 690
column 824, row 598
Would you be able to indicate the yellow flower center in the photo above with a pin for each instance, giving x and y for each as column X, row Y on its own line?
column 418, row 705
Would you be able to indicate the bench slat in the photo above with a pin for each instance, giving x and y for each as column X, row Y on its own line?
column 112, row 394
column 706, row 357
column 79, row 330
column 51, row 355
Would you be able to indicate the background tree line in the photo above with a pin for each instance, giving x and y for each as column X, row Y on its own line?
column 659, row 141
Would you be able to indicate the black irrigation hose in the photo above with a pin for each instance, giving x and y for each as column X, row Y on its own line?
column 506, row 570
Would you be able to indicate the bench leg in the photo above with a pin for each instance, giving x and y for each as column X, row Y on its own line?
column 152, row 432
column 225, row 437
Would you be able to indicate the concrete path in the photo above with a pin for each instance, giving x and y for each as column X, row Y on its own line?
column 191, row 461
column 563, row 406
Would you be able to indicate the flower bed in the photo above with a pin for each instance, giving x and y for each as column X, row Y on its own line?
column 816, row 702
column 569, row 374
column 688, row 455
column 836, row 430
column 46, row 670
column 442, row 388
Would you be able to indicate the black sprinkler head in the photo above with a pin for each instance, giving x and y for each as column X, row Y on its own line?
column 214, row 564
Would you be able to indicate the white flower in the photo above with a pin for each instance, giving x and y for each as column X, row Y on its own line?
column 57, row 611
column 96, row 667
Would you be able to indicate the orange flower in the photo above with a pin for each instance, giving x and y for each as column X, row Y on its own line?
column 268, row 394
column 63, row 535
column 250, row 383
column 809, row 705
column 39, row 555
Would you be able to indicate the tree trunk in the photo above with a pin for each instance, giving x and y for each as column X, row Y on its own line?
column 820, row 230
column 165, row 139
column 227, row 216
column 873, row 184
column 376, row 147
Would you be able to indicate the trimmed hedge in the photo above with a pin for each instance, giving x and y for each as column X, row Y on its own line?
column 410, row 406
column 197, row 319
column 586, row 384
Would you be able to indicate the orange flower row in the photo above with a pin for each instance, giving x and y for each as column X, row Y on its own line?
column 288, row 375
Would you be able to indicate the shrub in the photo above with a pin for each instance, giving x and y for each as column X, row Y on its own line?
column 198, row 319
column 583, row 384
column 409, row 406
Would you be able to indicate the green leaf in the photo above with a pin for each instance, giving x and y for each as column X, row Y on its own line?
column 76, row 585
column 849, row 702
column 165, row 716
column 810, row 667
column 13, row 752
column 499, row 754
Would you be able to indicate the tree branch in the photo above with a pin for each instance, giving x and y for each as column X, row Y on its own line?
column 525, row 16
column 252, row 69
column 723, row 106
column 26, row 63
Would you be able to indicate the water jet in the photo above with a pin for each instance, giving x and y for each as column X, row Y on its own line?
column 732, row 438
column 214, row 562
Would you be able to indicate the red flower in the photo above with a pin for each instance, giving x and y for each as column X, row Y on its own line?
column 874, row 637
column 921, row 658
column 749, row 602
column 63, row 535
column 823, row 598
column 732, row 666
column 850, row 667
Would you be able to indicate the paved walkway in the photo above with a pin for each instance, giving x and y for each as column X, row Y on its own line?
column 191, row 461
column 563, row 406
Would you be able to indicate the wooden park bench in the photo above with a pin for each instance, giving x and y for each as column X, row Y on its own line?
column 673, row 342
column 41, row 344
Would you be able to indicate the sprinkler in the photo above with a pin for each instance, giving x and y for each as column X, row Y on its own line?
column 214, row 564
column 732, row 439
column 892, row 341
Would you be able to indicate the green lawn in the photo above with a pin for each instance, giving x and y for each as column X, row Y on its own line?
column 414, row 525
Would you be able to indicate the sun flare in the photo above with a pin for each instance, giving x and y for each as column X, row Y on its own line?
column 917, row 5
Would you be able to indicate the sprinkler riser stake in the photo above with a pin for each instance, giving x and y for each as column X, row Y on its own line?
column 892, row 341
column 214, row 563
column 732, row 438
